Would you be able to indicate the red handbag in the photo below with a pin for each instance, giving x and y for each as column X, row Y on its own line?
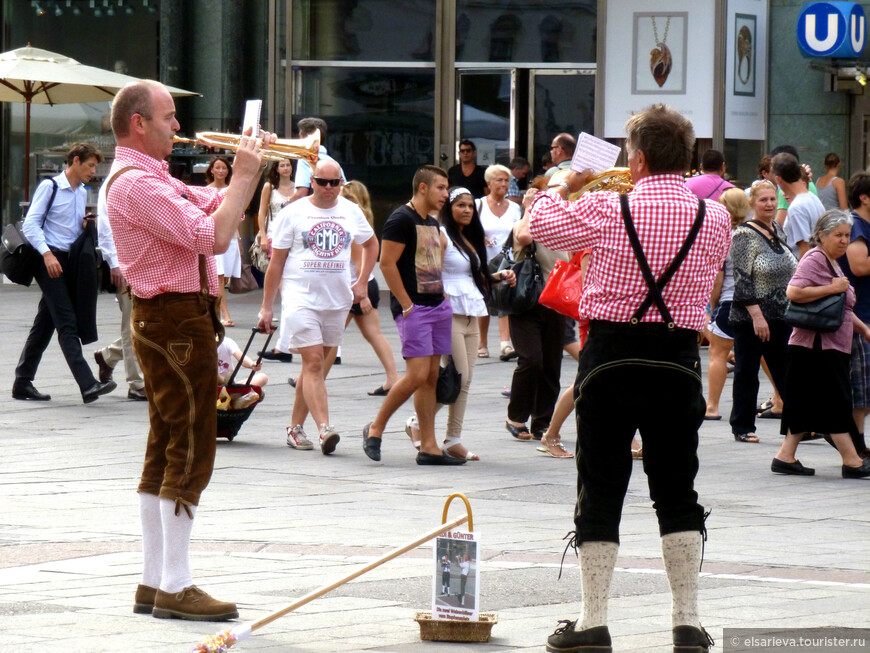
column 564, row 286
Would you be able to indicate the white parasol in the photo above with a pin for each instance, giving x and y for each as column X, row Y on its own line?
column 37, row 76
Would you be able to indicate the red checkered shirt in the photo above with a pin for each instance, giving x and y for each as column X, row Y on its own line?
column 663, row 210
column 161, row 226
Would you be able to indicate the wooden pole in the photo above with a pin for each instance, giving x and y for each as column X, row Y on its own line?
column 393, row 554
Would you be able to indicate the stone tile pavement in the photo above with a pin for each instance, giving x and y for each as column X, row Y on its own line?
column 276, row 524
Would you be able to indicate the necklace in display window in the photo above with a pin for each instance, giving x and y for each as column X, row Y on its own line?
column 660, row 60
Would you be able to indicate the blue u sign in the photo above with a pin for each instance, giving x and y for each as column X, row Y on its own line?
column 832, row 29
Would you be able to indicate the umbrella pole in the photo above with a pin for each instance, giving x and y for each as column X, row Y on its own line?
column 27, row 152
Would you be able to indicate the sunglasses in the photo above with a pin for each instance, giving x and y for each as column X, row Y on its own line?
column 327, row 182
column 465, row 151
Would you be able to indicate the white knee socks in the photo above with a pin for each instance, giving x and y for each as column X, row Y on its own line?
column 176, row 544
column 152, row 539
column 597, row 560
column 681, row 553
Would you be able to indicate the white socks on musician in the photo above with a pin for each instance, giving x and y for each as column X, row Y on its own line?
column 597, row 560
column 176, row 545
column 152, row 539
column 681, row 553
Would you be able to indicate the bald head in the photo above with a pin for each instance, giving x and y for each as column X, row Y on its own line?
column 329, row 172
column 135, row 97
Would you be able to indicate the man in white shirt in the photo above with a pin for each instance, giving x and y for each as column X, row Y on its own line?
column 311, row 260
column 121, row 349
column 804, row 209
column 54, row 221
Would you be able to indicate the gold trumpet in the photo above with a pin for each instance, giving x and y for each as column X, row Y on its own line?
column 283, row 148
column 613, row 179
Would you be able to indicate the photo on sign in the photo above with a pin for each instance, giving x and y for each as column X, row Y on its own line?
column 659, row 50
column 456, row 588
column 744, row 54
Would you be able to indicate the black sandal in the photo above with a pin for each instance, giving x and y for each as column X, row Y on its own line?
column 519, row 432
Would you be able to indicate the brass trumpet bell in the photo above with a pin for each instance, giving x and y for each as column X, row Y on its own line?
column 284, row 148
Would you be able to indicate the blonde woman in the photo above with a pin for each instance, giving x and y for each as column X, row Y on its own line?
column 498, row 216
column 720, row 334
column 365, row 314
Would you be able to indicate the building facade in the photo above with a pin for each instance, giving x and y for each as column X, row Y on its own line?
column 399, row 82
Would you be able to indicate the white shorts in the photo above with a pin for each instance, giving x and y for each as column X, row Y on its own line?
column 309, row 327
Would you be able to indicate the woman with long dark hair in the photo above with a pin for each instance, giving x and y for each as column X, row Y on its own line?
column 467, row 285
column 229, row 264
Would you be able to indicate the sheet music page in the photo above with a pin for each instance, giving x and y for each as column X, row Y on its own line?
column 594, row 153
column 252, row 117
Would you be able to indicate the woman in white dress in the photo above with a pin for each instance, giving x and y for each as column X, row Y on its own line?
column 276, row 194
column 229, row 264
column 497, row 215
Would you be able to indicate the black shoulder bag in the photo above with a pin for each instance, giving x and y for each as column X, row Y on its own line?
column 18, row 259
column 823, row 315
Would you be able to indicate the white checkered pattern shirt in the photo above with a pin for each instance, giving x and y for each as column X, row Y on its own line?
column 161, row 226
column 663, row 210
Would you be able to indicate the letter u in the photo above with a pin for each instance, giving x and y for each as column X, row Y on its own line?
column 830, row 38
column 857, row 33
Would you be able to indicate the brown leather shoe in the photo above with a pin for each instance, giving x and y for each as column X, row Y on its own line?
column 192, row 604
column 143, row 603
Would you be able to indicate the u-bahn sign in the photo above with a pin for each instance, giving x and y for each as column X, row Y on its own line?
column 832, row 29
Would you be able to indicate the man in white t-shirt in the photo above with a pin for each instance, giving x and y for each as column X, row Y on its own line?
column 804, row 208
column 311, row 260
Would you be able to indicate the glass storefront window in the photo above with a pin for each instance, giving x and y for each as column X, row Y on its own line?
column 530, row 31
column 364, row 30
column 741, row 160
column 381, row 124
column 70, row 29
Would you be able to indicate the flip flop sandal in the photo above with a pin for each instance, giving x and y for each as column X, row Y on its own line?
column 637, row 454
column 470, row 455
column 380, row 391
column 768, row 413
column 746, row 437
column 482, row 352
column 767, row 405
column 560, row 450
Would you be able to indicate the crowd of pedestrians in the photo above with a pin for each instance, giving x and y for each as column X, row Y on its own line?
column 727, row 263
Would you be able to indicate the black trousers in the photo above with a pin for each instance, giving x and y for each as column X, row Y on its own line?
column 537, row 336
column 55, row 313
column 637, row 378
column 748, row 350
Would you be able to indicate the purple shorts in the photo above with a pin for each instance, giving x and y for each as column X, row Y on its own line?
column 426, row 331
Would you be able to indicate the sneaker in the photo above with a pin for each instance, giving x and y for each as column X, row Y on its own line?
column 296, row 439
column 192, row 604
column 329, row 438
column 567, row 640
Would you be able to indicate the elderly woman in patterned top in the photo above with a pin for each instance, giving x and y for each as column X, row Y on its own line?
column 763, row 266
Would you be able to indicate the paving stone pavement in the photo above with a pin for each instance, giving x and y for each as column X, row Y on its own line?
column 276, row 523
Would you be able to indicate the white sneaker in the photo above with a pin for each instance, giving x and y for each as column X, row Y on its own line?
column 329, row 438
column 296, row 438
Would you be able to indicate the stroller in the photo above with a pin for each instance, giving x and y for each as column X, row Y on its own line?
column 230, row 418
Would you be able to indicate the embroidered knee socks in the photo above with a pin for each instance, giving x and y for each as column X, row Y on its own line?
column 681, row 553
column 597, row 560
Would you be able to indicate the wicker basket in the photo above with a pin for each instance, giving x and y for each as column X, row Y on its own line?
column 437, row 630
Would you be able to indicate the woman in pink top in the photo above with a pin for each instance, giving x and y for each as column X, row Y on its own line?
column 818, row 393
